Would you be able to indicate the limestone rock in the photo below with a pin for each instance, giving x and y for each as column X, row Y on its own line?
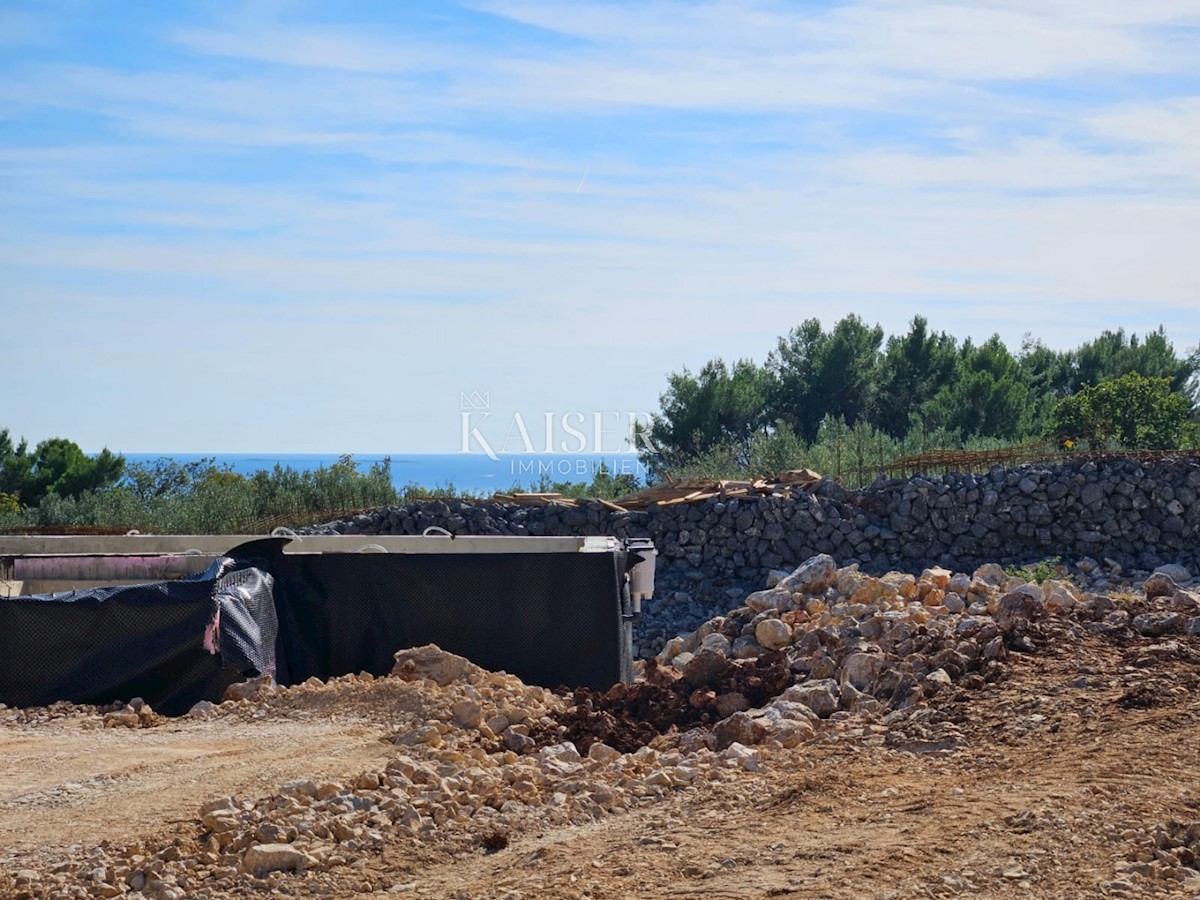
column 249, row 690
column 760, row 601
column 861, row 669
column 1020, row 606
column 812, row 576
column 1175, row 572
column 821, row 696
column 1160, row 585
column 433, row 663
column 262, row 859
column 773, row 634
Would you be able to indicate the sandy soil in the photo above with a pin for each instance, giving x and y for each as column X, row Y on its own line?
column 1060, row 774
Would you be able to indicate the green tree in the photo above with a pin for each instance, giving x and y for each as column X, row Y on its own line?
column 699, row 412
column 914, row 368
column 56, row 466
column 793, row 389
column 1133, row 411
column 988, row 398
column 1114, row 354
column 818, row 374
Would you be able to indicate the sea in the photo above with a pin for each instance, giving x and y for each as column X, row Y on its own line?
column 473, row 473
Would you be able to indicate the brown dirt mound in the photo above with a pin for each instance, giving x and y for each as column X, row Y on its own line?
column 629, row 716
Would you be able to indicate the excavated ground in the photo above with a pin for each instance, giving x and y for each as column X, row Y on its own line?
column 1069, row 770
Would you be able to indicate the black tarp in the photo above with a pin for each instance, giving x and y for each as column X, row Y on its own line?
column 146, row 640
column 549, row 618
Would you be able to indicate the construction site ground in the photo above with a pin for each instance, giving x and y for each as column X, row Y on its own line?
column 1067, row 766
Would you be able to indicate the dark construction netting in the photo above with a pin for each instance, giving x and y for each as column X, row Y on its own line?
column 549, row 618
column 145, row 640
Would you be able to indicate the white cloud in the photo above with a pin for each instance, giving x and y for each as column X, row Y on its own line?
column 403, row 217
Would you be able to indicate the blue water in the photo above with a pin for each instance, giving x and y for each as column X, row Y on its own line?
column 474, row 473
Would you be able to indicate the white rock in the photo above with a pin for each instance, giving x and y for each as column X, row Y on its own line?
column 860, row 669
column 201, row 710
column 820, row 695
column 602, row 752
column 434, row 663
column 560, row 759
column 1176, row 573
column 717, row 642
column 775, row 576
column 262, row 859
column 772, row 599
column 468, row 713
column 745, row 757
column 954, row 603
column 773, row 634
column 992, row 573
column 812, row 576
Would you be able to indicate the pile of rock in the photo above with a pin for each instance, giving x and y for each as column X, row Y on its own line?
column 878, row 646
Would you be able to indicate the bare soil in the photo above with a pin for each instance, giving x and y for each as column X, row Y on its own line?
column 1058, row 777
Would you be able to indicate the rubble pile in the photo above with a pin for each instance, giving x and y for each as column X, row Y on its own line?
column 821, row 654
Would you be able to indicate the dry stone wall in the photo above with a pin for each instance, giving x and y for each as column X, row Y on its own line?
column 1125, row 515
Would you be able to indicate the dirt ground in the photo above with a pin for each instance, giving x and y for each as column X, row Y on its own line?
column 1059, row 775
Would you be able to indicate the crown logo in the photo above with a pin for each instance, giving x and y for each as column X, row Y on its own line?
column 475, row 400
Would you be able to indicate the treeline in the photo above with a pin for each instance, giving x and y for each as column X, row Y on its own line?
column 56, row 486
column 828, row 399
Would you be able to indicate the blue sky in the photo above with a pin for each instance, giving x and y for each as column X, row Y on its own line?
column 307, row 227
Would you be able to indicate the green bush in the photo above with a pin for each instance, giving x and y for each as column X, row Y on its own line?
column 1038, row 572
column 169, row 497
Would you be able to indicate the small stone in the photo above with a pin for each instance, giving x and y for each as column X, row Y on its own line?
column 717, row 642
column 773, row 634
column 1019, row 606
column 954, row 603
column 728, row 703
column 746, row 757
column 760, row 601
column 821, row 696
column 602, row 752
column 775, row 576
column 262, row 859
column 1154, row 625
column 468, row 713
column 433, row 663
column 202, row 710
column 695, row 740
column 1159, row 585
column 861, row 669
column 1175, row 572
column 517, row 742
column 249, row 690
column 812, row 576
column 738, row 728
column 939, row 676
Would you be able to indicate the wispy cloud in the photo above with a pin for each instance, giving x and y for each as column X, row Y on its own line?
column 562, row 202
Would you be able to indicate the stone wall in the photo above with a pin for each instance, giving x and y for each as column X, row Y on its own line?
column 1137, row 515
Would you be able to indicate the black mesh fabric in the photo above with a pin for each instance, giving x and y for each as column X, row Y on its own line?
column 146, row 640
column 549, row 618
